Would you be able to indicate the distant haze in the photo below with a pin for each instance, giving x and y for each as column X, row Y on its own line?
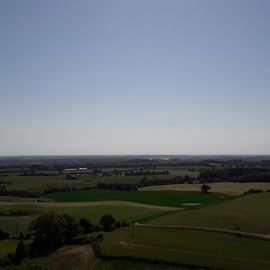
column 134, row 77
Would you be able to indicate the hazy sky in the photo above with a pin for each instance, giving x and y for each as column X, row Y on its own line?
column 134, row 77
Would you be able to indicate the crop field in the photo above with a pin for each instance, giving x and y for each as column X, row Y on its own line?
column 250, row 213
column 163, row 198
column 128, row 212
column 228, row 188
column 189, row 247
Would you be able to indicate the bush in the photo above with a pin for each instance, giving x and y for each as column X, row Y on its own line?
column 107, row 222
column 4, row 235
column 86, row 225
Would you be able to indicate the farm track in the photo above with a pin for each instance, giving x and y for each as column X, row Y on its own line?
column 206, row 229
column 67, row 256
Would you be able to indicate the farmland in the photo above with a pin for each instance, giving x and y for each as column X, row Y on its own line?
column 229, row 188
column 249, row 213
column 52, row 179
column 182, row 246
column 168, row 219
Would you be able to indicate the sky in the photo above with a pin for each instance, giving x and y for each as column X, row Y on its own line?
column 134, row 77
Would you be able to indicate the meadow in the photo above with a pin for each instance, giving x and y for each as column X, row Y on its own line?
column 189, row 247
column 250, row 213
column 7, row 246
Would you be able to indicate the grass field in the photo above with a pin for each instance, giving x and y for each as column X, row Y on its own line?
column 250, row 212
column 133, row 265
column 7, row 246
column 229, row 188
column 128, row 212
column 189, row 247
column 164, row 198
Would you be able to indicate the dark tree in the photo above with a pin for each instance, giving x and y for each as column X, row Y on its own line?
column 107, row 222
column 86, row 224
column 21, row 252
column 205, row 188
column 70, row 227
column 52, row 231
column 48, row 233
column 3, row 235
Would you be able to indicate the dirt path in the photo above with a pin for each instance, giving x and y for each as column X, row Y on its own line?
column 67, row 256
column 207, row 229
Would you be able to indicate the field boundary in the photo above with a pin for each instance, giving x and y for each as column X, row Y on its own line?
column 206, row 229
column 95, row 203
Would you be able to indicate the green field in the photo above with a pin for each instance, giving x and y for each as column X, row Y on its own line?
column 122, row 212
column 229, row 188
column 250, row 212
column 7, row 246
column 164, row 198
column 117, row 264
column 189, row 247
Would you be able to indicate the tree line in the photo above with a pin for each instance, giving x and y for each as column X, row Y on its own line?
column 50, row 231
column 237, row 174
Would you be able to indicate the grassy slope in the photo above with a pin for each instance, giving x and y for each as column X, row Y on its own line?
column 189, row 247
column 251, row 212
column 222, row 187
column 164, row 198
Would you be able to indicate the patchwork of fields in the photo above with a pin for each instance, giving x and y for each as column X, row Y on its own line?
column 225, row 208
